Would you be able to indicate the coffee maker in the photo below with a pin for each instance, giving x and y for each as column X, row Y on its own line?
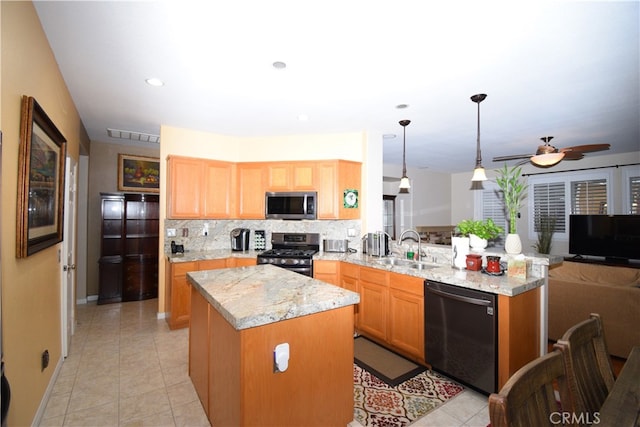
column 240, row 239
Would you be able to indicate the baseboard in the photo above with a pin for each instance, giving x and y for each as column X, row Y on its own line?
column 162, row 315
column 47, row 393
column 92, row 298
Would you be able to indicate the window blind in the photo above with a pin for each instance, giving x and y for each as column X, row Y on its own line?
column 549, row 205
column 493, row 207
column 589, row 197
column 634, row 195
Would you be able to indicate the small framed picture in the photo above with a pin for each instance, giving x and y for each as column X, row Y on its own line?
column 350, row 199
column 138, row 173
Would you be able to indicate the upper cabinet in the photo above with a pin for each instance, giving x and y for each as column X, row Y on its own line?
column 202, row 189
column 250, row 190
column 291, row 176
column 338, row 189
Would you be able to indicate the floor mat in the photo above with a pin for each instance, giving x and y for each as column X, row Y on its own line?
column 384, row 364
column 378, row 404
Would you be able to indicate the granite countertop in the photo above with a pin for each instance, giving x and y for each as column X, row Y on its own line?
column 190, row 256
column 258, row 295
column 444, row 273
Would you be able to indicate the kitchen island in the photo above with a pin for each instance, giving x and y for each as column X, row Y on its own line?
column 239, row 316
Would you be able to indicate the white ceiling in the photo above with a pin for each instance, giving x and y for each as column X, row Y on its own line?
column 570, row 69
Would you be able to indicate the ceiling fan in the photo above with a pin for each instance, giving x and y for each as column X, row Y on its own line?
column 548, row 155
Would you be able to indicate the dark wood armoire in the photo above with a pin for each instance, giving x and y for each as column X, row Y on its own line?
column 128, row 265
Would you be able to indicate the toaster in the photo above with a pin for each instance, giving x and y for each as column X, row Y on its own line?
column 335, row 245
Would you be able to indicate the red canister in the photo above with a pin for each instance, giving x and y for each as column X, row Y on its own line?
column 474, row 262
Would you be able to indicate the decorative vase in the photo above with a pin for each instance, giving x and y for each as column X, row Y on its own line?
column 477, row 243
column 460, row 249
column 513, row 245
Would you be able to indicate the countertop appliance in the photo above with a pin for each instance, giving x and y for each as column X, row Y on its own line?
column 461, row 330
column 240, row 239
column 376, row 244
column 293, row 251
column 291, row 205
column 337, row 245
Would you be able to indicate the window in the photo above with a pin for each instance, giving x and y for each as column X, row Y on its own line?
column 589, row 197
column 488, row 203
column 389, row 215
column 634, row 195
column 631, row 190
column 554, row 197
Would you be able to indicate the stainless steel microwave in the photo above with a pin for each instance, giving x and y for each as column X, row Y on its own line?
column 291, row 205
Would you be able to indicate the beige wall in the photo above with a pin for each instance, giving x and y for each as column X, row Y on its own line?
column 31, row 286
column 103, row 178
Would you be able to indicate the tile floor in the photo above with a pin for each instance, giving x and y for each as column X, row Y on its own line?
column 126, row 368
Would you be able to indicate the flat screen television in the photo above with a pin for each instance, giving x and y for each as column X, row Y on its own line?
column 615, row 237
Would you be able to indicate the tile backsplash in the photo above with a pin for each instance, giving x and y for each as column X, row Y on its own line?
column 190, row 232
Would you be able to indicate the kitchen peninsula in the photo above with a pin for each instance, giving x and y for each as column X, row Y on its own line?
column 239, row 316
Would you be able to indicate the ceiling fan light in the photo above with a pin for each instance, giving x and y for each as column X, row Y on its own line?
column 404, row 185
column 548, row 159
column 479, row 174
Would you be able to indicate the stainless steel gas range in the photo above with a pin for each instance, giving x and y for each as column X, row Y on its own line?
column 293, row 251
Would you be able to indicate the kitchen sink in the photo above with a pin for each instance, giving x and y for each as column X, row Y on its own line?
column 405, row 263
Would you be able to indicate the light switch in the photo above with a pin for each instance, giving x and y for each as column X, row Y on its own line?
column 171, row 232
column 281, row 357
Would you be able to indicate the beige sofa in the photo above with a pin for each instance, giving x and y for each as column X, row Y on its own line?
column 577, row 289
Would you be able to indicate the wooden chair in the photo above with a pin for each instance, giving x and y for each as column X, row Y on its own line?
column 528, row 397
column 588, row 361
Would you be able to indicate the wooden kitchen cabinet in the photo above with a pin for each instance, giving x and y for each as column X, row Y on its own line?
column 374, row 300
column 327, row 271
column 178, row 294
column 199, row 188
column 406, row 314
column 178, row 289
column 290, row 176
column 199, row 347
column 333, row 178
column 250, row 190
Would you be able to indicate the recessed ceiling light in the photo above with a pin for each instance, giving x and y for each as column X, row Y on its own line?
column 401, row 106
column 154, row 82
column 279, row 65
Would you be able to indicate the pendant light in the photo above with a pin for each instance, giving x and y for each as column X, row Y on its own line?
column 404, row 181
column 478, row 172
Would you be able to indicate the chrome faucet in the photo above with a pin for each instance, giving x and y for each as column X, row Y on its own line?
column 411, row 230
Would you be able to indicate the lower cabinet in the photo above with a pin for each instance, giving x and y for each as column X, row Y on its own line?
column 391, row 308
column 374, row 303
column 178, row 289
column 406, row 315
column 327, row 271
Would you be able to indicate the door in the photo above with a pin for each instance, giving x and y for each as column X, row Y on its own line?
column 68, row 256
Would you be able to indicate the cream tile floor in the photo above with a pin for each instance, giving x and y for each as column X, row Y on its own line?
column 126, row 368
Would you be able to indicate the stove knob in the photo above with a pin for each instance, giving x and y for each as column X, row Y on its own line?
column 283, row 261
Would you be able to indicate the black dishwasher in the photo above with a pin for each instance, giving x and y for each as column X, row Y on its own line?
column 461, row 334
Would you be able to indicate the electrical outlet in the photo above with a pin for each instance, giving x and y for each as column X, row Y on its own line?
column 171, row 232
column 351, row 232
column 45, row 359
column 185, row 232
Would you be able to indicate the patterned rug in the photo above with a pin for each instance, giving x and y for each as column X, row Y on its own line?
column 378, row 404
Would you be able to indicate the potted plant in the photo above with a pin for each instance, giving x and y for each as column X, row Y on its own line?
column 546, row 226
column 479, row 231
column 513, row 191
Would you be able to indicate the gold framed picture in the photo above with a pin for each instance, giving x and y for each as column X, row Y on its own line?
column 138, row 173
